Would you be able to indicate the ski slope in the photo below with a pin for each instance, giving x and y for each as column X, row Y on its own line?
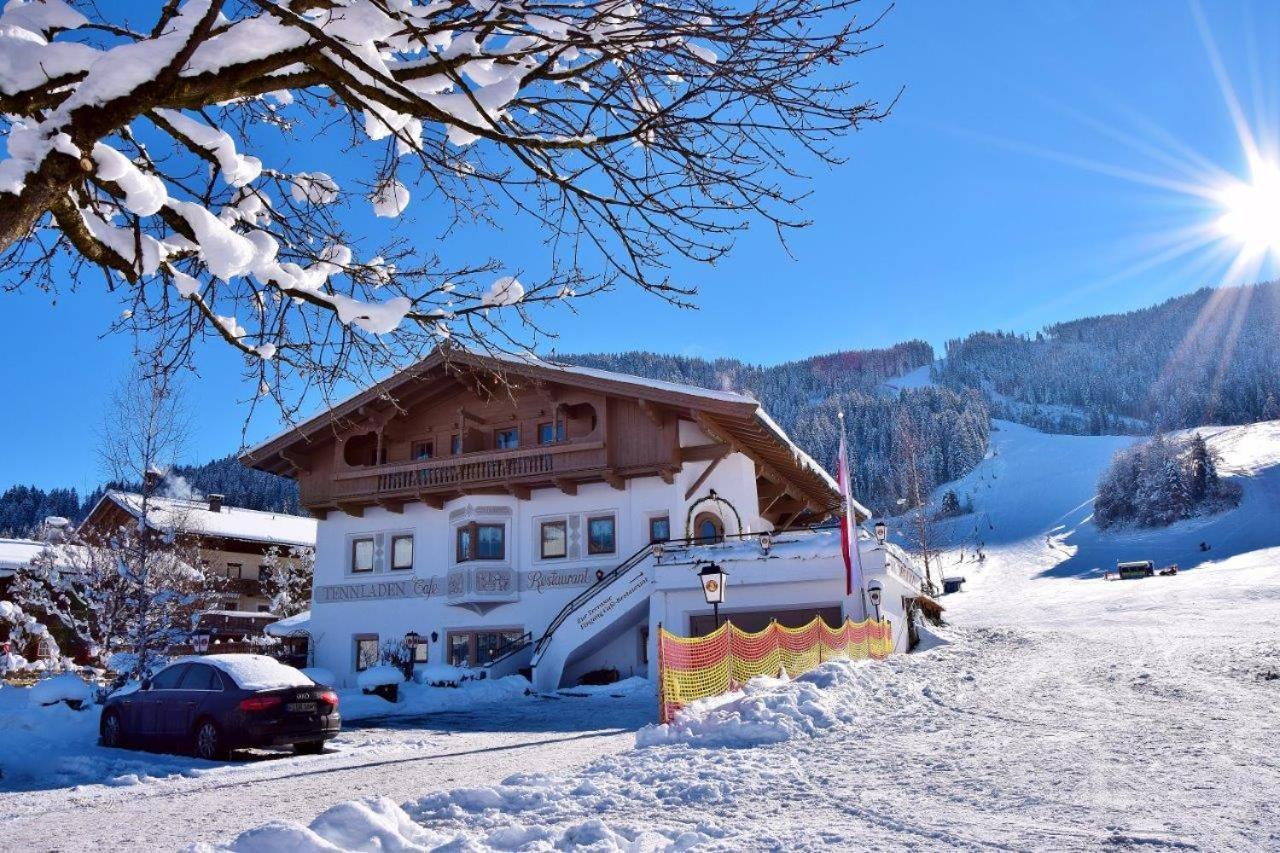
column 1033, row 506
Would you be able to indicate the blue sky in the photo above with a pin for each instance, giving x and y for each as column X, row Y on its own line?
column 1020, row 181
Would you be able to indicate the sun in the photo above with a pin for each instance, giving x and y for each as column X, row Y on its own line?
column 1251, row 210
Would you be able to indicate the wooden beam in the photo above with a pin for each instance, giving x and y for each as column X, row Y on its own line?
column 703, row 452
column 786, row 525
column 317, row 512
column 519, row 492
column 779, row 496
column 569, row 487
column 435, row 501
column 355, row 510
column 668, row 476
column 298, row 465
column 614, row 480
column 391, row 505
column 702, row 478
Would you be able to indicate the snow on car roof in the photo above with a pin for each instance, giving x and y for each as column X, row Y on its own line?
column 230, row 522
column 254, row 672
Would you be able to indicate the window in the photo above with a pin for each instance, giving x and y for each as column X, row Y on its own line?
column 200, row 677
column 455, row 444
column 554, row 540
column 402, row 552
column 422, row 450
column 551, row 433
column 659, row 528
column 362, row 555
column 235, row 570
column 366, row 651
column 600, row 535
column 481, row 542
column 231, row 605
column 708, row 527
column 506, row 439
column 476, row 648
column 168, row 678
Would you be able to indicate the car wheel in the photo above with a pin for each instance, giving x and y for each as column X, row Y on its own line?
column 311, row 747
column 208, row 742
column 113, row 730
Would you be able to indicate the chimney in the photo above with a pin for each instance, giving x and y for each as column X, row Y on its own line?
column 55, row 528
column 215, row 503
column 151, row 479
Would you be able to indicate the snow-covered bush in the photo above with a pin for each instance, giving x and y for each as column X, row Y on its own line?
column 68, row 688
column 444, row 675
column 383, row 675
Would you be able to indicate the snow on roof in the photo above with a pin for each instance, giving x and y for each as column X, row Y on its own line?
column 255, row 672
column 15, row 553
column 290, row 624
column 191, row 516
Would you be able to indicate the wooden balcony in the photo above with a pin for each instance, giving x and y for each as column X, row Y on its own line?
column 524, row 467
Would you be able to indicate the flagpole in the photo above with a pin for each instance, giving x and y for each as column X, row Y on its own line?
column 854, row 553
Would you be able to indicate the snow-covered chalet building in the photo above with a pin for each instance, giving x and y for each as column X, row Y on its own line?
column 552, row 518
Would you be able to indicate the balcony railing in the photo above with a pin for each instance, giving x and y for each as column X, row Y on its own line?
column 499, row 467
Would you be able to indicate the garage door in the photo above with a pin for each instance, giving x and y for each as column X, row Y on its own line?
column 758, row 620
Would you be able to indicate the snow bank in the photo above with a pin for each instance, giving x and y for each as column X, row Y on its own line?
column 61, row 688
column 773, row 710
column 320, row 675
column 256, row 672
column 374, row 823
column 443, row 674
column 415, row 699
column 380, row 676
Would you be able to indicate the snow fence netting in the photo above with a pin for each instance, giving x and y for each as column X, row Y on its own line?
column 691, row 668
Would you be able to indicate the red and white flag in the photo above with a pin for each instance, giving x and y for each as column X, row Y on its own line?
column 849, row 524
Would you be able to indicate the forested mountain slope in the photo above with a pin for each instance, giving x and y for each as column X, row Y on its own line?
column 1209, row 357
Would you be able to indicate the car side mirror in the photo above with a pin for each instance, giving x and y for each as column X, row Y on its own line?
column 146, row 684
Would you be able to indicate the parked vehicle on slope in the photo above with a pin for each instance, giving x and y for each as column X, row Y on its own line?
column 213, row 704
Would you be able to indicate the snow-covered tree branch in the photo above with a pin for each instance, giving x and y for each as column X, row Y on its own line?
column 630, row 133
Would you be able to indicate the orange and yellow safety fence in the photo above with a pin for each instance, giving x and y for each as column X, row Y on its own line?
column 692, row 668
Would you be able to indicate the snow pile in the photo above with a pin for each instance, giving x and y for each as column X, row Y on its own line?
column 256, row 672
column 383, row 675
column 320, row 675
column 416, row 699
column 772, row 710
column 374, row 823
column 443, row 674
column 67, row 687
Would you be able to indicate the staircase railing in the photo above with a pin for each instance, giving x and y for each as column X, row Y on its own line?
column 510, row 648
column 587, row 594
column 615, row 573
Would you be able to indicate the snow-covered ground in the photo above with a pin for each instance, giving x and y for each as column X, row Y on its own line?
column 1059, row 711
column 1062, row 711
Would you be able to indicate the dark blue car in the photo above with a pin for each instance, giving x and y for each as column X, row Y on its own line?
column 213, row 704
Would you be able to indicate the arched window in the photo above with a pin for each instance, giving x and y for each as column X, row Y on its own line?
column 361, row 450
column 707, row 527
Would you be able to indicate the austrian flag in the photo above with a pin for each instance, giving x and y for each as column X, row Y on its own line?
column 849, row 524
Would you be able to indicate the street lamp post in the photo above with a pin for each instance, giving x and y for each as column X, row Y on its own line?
column 713, row 578
column 411, row 643
column 200, row 641
column 874, row 590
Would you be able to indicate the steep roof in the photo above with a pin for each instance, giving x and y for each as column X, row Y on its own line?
column 736, row 418
column 190, row 516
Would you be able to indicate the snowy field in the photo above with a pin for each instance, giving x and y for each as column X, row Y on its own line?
column 1059, row 711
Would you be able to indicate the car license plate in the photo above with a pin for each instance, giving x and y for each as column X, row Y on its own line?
column 301, row 707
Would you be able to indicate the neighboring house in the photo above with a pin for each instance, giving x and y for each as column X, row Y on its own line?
column 230, row 542
column 552, row 520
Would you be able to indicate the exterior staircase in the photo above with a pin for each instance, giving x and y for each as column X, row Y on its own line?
column 595, row 616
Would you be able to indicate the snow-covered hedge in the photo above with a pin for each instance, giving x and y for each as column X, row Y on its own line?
column 383, row 675
column 67, row 688
column 320, row 675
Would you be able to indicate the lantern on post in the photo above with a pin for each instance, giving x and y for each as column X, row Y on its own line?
column 411, row 640
column 713, row 578
column 882, row 531
column 874, row 591
column 766, row 542
column 200, row 641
